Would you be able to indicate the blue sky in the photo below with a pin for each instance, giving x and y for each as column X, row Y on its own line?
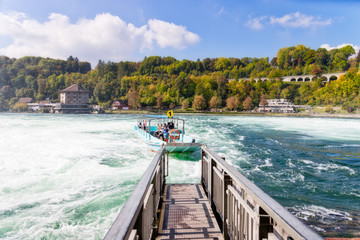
column 188, row 29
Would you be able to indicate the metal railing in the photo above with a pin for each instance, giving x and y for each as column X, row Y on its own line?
column 244, row 211
column 138, row 217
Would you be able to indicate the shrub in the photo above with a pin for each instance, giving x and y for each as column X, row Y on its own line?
column 20, row 107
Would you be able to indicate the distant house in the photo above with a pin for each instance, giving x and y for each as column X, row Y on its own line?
column 73, row 99
column 277, row 106
column 121, row 105
column 25, row 100
column 42, row 105
column 74, row 95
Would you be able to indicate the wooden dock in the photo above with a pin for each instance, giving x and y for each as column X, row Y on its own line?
column 186, row 214
column 156, row 210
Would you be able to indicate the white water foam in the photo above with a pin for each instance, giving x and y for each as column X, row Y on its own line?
column 328, row 167
column 65, row 177
column 321, row 128
column 56, row 176
column 326, row 216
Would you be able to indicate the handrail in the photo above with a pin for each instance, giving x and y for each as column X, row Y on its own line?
column 242, row 209
column 140, row 208
column 226, row 186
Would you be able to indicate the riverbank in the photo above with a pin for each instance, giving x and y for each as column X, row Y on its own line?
column 301, row 114
column 309, row 114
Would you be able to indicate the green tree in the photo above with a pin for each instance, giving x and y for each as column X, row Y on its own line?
column 222, row 64
column 285, row 93
column 221, row 87
column 347, row 51
column 4, row 103
column 321, row 57
column 7, row 92
column 340, row 61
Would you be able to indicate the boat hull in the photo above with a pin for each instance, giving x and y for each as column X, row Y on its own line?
column 154, row 143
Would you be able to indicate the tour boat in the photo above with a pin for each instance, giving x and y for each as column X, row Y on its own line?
column 175, row 140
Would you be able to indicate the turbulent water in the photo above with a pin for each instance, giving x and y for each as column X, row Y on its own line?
column 67, row 176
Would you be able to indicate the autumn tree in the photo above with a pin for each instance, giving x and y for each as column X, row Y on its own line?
column 263, row 102
column 199, row 102
column 247, row 103
column 20, row 107
column 159, row 102
column 316, row 72
column 185, row 104
column 214, row 102
column 133, row 98
column 232, row 103
column 171, row 105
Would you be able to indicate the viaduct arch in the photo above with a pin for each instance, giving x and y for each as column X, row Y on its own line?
column 309, row 78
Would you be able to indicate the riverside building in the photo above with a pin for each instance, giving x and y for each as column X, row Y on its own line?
column 73, row 99
column 277, row 106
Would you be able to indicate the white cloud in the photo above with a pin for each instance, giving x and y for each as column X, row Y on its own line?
column 256, row 23
column 105, row 37
column 170, row 35
column 298, row 20
column 291, row 20
column 356, row 48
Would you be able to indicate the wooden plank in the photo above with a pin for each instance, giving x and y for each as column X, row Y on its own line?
column 186, row 214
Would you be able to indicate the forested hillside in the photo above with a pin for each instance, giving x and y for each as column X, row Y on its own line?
column 202, row 84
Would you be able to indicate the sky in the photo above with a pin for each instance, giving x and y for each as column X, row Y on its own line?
column 117, row 30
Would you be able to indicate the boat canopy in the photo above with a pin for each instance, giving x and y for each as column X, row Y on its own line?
column 153, row 120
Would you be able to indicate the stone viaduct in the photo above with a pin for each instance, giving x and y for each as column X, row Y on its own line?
column 327, row 77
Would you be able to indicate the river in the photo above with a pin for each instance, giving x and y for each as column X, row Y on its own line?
column 67, row 176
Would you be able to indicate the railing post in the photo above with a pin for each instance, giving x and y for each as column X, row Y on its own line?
column 212, row 164
column 202, row 168
column 227, row 181
column 167, row 163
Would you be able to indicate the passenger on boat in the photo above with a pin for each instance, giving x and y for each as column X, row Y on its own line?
column 171, row 125
column 158, row 131
column 161, row 133
column 166, row 134
column 144, row 125
column 140, row 125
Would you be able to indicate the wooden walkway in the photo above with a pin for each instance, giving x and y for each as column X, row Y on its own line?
column 186, row 214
